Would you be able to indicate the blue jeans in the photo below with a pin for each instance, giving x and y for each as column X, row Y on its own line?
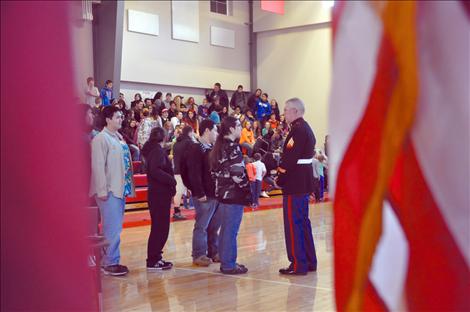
column 231, row 216
column 256, row 191
column 188, row 201
column 206, row 227
column 112, row 215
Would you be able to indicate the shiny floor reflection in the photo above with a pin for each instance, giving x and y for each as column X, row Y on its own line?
column 186, row 287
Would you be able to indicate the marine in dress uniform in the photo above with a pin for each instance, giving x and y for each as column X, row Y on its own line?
column 297, row 182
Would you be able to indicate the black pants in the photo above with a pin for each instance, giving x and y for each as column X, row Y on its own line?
column 159, row 206
column 316, row 188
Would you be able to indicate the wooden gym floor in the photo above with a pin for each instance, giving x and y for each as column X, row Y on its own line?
column 261, row 248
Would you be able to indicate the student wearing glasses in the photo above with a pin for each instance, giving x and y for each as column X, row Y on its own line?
column 111, row 183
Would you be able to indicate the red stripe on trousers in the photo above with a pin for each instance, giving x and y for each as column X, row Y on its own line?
column 435, row 262
column 357, row 174
column 291, row 227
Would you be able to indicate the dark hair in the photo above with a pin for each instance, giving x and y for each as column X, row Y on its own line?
column 192, row 120
column 205, row 124
column 157, row 136
column 240, row 86
column 154, row 112
column 89, row 79
column 217, row 84
column 84, row 108
column 108, row 112
column 140, row 96
column 157, row 96
column 186, row 130
column 265, row 94
column 122, row 102
column 257, row 156
column 172, row 102
column 216, row 153
column 148, row 99
column 108, row 81
column 168, row 94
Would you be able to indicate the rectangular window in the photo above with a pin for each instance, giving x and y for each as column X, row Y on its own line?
column 219, row 6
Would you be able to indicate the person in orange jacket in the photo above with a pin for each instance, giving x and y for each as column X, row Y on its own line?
column 247, row 138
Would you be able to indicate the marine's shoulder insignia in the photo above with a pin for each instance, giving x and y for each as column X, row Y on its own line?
column 290, row 143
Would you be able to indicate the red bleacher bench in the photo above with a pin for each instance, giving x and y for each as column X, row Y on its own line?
column 136, row 165
column 140, row 180
column 140, row 196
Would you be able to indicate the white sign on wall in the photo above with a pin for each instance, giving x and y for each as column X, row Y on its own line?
column 222, row 37
column 185, row 20
column 142, row 22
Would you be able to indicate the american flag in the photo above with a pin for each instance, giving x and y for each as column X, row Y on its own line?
column 400, row 155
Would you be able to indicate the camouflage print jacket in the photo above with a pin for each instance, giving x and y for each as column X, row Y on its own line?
column 231, row 179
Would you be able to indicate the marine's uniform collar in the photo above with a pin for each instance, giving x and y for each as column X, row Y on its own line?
column 297, row 121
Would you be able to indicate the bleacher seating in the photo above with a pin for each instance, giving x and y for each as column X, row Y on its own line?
column 141, row 189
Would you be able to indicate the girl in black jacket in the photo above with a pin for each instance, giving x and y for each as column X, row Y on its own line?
column 162, row 187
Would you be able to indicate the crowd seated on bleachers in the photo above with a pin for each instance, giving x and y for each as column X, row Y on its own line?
column 264, row 127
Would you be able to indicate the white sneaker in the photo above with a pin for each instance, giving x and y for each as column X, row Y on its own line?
column 264, row 194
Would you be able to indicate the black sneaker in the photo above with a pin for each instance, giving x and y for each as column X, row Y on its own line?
column 160, row 265
column 239, row 269
column 178, row 216
column 115, row 270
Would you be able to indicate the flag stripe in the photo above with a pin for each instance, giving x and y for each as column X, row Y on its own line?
column 372, row 300
column 357, row 177
column 431, row 209
column 443, row 116
column 436, row 262
column 370, row 157
column 356, row 49
column 399, row 24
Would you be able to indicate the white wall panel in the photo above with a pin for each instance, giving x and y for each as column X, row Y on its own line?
column 185, row 20
column 142, row 22
column 222, row 37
